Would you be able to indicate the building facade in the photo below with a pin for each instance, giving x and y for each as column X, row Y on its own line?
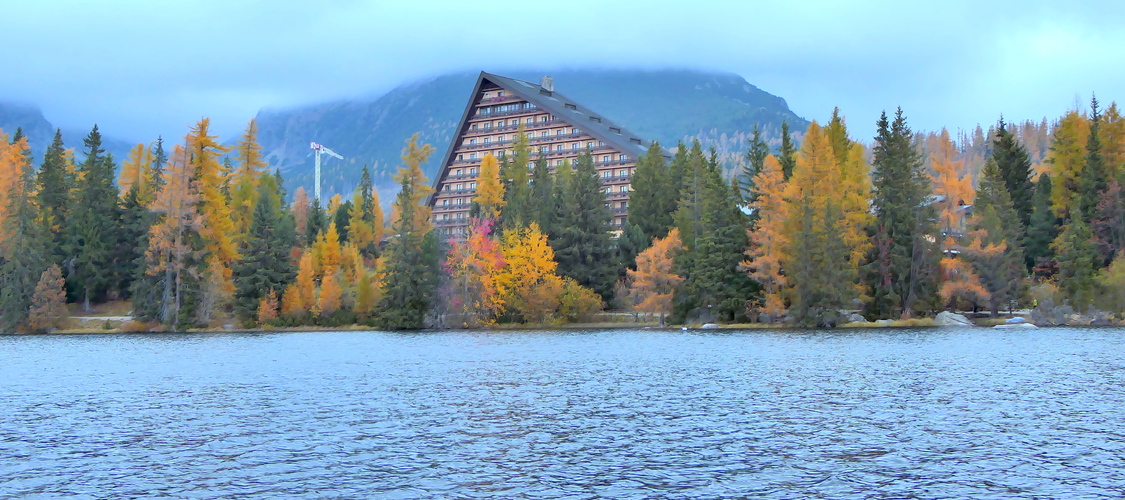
column 558, row 129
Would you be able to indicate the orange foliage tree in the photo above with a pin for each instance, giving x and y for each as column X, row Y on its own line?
column 267, row 308
column 48, row 303
column 218, row 227
column 470, row 293
column 136, row 170
column 244, row 180
column 170, row 238
column 490, row 191
column 768, row 238
column 652, row 285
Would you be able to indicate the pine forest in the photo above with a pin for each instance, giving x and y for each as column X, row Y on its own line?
column 822, row 230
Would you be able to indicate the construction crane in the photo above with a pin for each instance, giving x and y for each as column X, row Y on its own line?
column 319, row 150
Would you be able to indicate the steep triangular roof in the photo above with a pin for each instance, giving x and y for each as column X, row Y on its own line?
column 560, row 106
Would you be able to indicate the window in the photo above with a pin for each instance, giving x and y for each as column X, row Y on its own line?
column 605, row 159
column 623, row 189
column 624, row 204
column 621, row 173
column 590, row 144
column 529, row 120
column 558, row 148
column 445, row 202
column 543, row 119
column 461, row 187
column 543, row 134
column 559, row 163
column 472, row 142
column 473, row 186
column 473, row 127
column 446, row 189
column 500, row 94
column 608, row 190
column 543, row 149
column 472, row 156
column 600, row 144
column 473, row 171
column 458, row 172
column 515, row 122
column 460, row 216
column 605, row 174
column 500, row 124
column 615, row 130
column 460, row 201
column 530, row 165
column 623, row 158
column 574, row 147
column 559, row 132
column 486, row 141
column 487, row 125
column 573, row 131
column 445, row 216
column 570, row 106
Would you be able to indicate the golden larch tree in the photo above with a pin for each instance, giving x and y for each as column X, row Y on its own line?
column 490, row 191
column 306, row 283
column 301, row 213
column 330, row 295
column 1067, row 158
column 170, row 237
column 1112, row 130
column 218, row 227
column 267, row 308
column 528, row 273
column 768, row 238
column 952, row 183
column 136, row 170
column 249, row 165
column 654, row 283
column 413, row 156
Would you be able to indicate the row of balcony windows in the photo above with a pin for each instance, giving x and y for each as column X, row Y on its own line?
column 446, row 219
column 463, row 158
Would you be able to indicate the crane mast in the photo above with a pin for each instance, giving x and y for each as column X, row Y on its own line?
column 320, row 149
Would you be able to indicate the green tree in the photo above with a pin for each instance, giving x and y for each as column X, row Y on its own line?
column 650, row 206
column 787, row 152
column 1078, row 259
column 266, row 264
column 1014, row 165
column 1043, row 227
column 1094, row 177
column 518, row 203
column 902, row 266
column 91, row 231
column 410, row 276
column 23, row 259
column 995, row 247
column 755, row 163
column 53, row 184
column 582, row 243
column 713, row 230
column 542, row 190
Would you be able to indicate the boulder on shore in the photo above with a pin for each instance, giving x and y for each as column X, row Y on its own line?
column 946, row 318
column 856, row 318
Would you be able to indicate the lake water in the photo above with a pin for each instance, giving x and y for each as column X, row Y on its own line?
column 621, row 414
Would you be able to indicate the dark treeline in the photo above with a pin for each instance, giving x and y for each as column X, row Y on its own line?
column 198, row 234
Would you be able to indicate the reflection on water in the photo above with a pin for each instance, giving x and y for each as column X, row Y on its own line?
column 924, row 413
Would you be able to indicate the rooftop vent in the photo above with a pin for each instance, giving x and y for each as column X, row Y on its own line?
column 547, row 83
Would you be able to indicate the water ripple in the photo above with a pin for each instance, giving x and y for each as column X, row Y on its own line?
column 611, row 414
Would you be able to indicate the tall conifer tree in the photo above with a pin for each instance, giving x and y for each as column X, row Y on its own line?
column 22, row 259
column 1014, row 165
column 651, row 203
column 582, row 243
column 91, row 232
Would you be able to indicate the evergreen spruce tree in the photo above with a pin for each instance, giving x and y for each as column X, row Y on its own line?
column 542, row 190
column 53, row 184
column 1014, row 165
column 755, row 163
column 1043, row 226
column 714, row 232
column 24, row 254
column 651, row 204
column 266, row 264
column 1094, row 178
column 518, row 203
column 410, row 275
column 91, row 231
column 902, row 266
column 133, row 223
column 1078, row 259
column 787, row 153
column 996, row 239
column 582, row 243
column 677, row 169
column 318, row 221
column 342, row 218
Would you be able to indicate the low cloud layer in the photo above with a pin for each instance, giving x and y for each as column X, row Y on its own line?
column 140, row 69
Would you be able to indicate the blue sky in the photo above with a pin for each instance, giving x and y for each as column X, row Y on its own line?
column 142, row 68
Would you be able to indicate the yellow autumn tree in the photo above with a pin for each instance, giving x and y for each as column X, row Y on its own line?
column 525, row 282
column 170, row 238
column 330, row 296
column 301, row 214
column 218, row 229
column 11, row 162
column 328, row 251
column 652, row 285
column 136, row 170
column 361, row 233
column 952, row 183
column 292, row 304
column 413, row 156
column 267, row 308
column 365, row 295
column 1112, row 135
column 490, row 191
column 1067, row 158
column 248, row 169
column 768, row 238
column 306, row 283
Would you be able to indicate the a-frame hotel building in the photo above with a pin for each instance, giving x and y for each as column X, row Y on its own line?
column 559, row 129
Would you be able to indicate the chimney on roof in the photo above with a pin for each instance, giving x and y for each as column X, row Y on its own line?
column 547, row 83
